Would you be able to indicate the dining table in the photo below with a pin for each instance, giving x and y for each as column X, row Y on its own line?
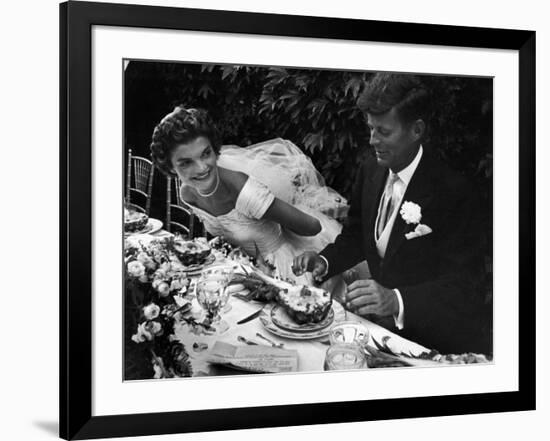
column 258, row 330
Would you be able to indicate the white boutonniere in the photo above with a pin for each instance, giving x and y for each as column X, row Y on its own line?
column 412, row 215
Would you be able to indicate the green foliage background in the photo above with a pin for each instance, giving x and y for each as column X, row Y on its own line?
column 315, row 109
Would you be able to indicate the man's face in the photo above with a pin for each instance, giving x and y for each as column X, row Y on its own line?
column 395, row 143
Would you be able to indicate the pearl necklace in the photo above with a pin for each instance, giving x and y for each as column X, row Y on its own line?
column 207, row 195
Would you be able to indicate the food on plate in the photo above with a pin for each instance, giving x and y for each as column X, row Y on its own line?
column 305, row 304
column 191, row 252
column 134, row 221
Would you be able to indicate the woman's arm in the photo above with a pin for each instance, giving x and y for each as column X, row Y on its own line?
column 292, row 218
column 279, row 211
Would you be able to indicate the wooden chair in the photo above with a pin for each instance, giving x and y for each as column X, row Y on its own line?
column 179, row 216
column 139, row 179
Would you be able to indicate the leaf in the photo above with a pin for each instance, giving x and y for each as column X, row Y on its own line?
column 317, row 105
column 207, row 68
column 226, row 71
column 204, row 91
column 277, row 75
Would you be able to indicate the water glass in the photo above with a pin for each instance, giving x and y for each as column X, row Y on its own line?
column 345, row 356
column 225, row 271
column 212, row 296
column 349, row 332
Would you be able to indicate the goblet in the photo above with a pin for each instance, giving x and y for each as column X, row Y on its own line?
column 227, row 272
column 212, row 296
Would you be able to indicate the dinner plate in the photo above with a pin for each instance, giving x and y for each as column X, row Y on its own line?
column 153, row 225
column 281, row 319
column 338, row 312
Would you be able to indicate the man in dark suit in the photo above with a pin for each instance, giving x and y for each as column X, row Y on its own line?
column 416, row 223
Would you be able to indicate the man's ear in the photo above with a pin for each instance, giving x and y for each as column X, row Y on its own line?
column 418, row 129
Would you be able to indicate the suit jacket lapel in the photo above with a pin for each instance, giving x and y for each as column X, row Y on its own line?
column 419, row 191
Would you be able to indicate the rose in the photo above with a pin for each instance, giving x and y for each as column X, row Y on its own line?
column 151, row 311
column 146, row 260
column 138, row 338
column 136, row 268
column 154, row 328
column 176, row 285
column 160, row 274
column 142, row 334
column 411, row 212
column 163, row 289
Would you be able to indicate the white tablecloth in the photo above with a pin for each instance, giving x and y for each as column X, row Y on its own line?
column 311, row 353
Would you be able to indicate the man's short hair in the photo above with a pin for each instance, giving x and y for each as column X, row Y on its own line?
column 405, row 92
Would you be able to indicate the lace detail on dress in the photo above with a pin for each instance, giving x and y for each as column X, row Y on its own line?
column 254, row 199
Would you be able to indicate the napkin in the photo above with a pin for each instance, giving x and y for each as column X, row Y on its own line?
column 254, row 358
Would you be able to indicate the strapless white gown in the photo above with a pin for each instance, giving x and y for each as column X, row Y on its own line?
column 275, row 168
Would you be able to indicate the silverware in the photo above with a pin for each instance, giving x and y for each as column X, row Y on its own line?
column 250, row 317
column 245, row 340
column 243, row 297
column 271, row 342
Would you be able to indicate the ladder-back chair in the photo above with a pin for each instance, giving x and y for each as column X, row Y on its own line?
column 179, row 216
column 139, row 179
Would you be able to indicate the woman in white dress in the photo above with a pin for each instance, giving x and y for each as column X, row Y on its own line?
column 265, row 197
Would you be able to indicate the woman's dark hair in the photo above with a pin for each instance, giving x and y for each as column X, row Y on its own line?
column 405, row 92
column 181, row 127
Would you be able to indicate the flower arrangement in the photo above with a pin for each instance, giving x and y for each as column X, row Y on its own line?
column 156, row 263
column 154, row 279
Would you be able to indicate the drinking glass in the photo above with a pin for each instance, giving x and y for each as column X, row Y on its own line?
column 345, row 356
column 212, row 296
column 349, row 332
column 348, row 340
column 225, row 271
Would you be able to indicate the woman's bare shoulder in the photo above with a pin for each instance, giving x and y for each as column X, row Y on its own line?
column 235, row 179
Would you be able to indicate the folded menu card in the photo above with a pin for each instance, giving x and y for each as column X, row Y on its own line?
column 254, row 358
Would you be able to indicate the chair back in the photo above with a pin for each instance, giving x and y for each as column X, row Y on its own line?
column 179, row 216
column 139, row 179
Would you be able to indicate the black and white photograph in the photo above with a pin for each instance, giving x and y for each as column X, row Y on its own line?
column 286, row 219
column 291, row 220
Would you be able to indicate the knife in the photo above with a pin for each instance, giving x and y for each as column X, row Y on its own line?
column 250, row 317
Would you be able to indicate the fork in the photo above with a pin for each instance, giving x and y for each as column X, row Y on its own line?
column 271, row 342
column 241, row 339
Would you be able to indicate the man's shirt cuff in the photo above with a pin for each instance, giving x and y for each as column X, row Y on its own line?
column 399, row 320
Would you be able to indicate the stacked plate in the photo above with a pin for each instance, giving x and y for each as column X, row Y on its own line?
column 275, row 319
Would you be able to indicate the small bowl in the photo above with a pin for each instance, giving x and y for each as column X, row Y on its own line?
column 190, row 252
column 135, row 221
column 349, row 332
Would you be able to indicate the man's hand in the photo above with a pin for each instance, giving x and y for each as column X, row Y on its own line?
column 309, row 261
column 366, row 297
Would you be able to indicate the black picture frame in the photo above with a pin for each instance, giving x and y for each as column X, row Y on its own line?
column 76, row 21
